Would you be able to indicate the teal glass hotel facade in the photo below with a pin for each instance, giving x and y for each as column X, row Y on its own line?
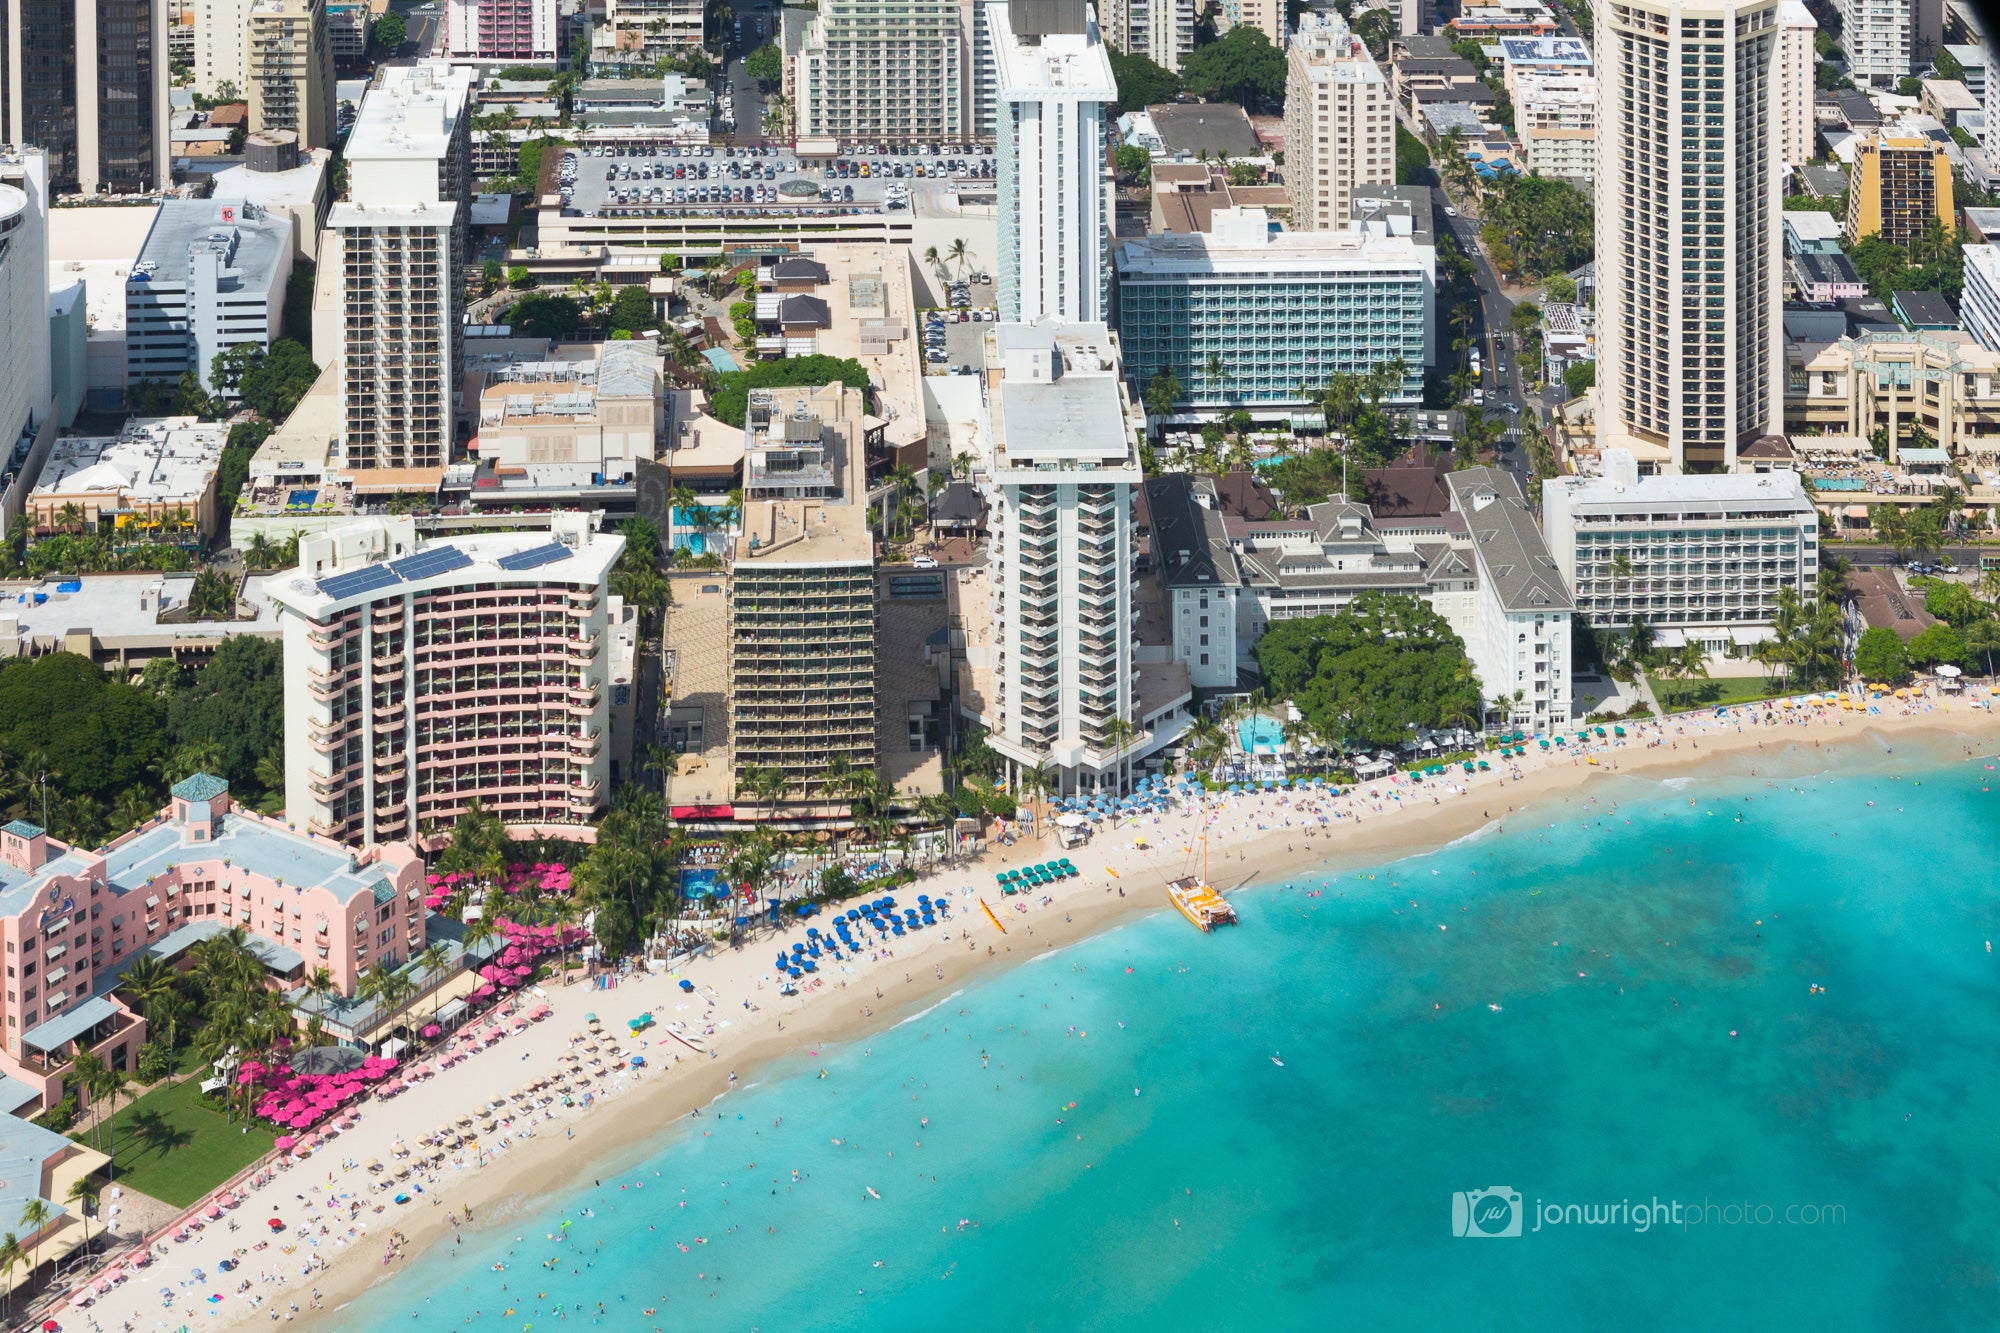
column 1287, row 312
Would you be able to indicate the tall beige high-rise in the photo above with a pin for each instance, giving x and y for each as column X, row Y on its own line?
column 1340, row 123
column 291, row 70
column 1688, row 298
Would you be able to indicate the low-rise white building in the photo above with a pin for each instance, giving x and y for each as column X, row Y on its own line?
column 211, row 275
column 1556, row 118
column 579, row 420
column 155, row 482
column 1482, row 566
column 1698, row 558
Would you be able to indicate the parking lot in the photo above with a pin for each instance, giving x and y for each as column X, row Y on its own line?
column 668, row 181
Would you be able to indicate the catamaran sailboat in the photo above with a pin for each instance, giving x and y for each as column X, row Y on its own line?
column 1197, row 899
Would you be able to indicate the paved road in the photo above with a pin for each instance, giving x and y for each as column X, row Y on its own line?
column 1502, row 386
column 758, row 25
column 1965, row 557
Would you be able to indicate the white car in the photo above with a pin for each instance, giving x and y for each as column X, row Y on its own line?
column 923, row 562
column 1450, row 212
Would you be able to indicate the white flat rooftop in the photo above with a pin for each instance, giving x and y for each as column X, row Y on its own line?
column 123, row 610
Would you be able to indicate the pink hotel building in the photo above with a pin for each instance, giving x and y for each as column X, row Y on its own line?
column 421, row 675
column 72, row 918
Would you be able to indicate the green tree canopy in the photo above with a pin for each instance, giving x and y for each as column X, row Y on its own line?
column 1546, row 223
column 1141, row 83
column 1939, row 643
column 765, row 65
column 95, row 734
column 546, row 315
column 1243, row 67
column 390, row 32
column 1880, row 656
column 1955, row 604
column 731, row 400
column 1136, row 164
column 1579, row 377
column 632, row 310
column 1385, row 664
column 236, row 704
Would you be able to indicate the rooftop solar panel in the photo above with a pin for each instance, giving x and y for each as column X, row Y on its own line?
column 366, row 579
column 426, row 564
column 535, row 556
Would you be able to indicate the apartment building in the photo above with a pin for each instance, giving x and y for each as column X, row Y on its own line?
column 1057, row 683
column 1947, row 383
column 802, row 591
column 1340, row 123
column 655, row 27
column 1054, row 181
column 1481, row 565
column 501, row 29
column 221, row 53
column 1279, row 313
column 291, row 70
column 1555, row 116
column 73, row 916
column 1160, row 30
column 155, row 479
column 1493, row 22
column 1900, row 184
column 348, row 25
column 1689, row 290
column 419, row 677
column 1267, row 16
column 895, row 72
column 26, row 369
column 86, row 82
column 399, row 242
column 1875, row 36
column 1979, row 303
column 210, row 276
column 1699, row 559
column 1796, row 78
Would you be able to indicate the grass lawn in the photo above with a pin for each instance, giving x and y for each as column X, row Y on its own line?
column 1676, row 695
column 172, row 1146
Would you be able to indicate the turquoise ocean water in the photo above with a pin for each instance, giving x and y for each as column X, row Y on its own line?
column 1231, row 1192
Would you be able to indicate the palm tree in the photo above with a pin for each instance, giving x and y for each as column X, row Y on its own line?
column 11, row 1257
column 768, row 784
column 958, row 252
column 148, row 980
column 70, row 517
column 36, row 1213
column 433, row 957
column 1118, row 734
column 1034, row 783
column 1214, row 371
column 1692, row 661
column 931, row 260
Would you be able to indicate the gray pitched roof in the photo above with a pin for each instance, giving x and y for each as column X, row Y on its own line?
column 1189, row 543
column 1513, row 559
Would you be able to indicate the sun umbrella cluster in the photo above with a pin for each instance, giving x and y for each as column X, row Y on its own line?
column 549, row 877
column 515, row 962
column 302, row 1101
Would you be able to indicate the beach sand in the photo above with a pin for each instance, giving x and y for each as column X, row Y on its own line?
column 1259, row 837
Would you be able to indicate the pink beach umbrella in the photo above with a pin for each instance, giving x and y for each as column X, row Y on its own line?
column 284, row 1142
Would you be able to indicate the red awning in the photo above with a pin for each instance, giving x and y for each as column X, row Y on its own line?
column 702, row 811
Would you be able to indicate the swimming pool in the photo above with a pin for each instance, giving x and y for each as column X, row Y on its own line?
column 703, row 884
column 1261, row 735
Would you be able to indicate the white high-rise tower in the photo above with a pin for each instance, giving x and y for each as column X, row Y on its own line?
column 1055, row 84
column 1689, row 363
